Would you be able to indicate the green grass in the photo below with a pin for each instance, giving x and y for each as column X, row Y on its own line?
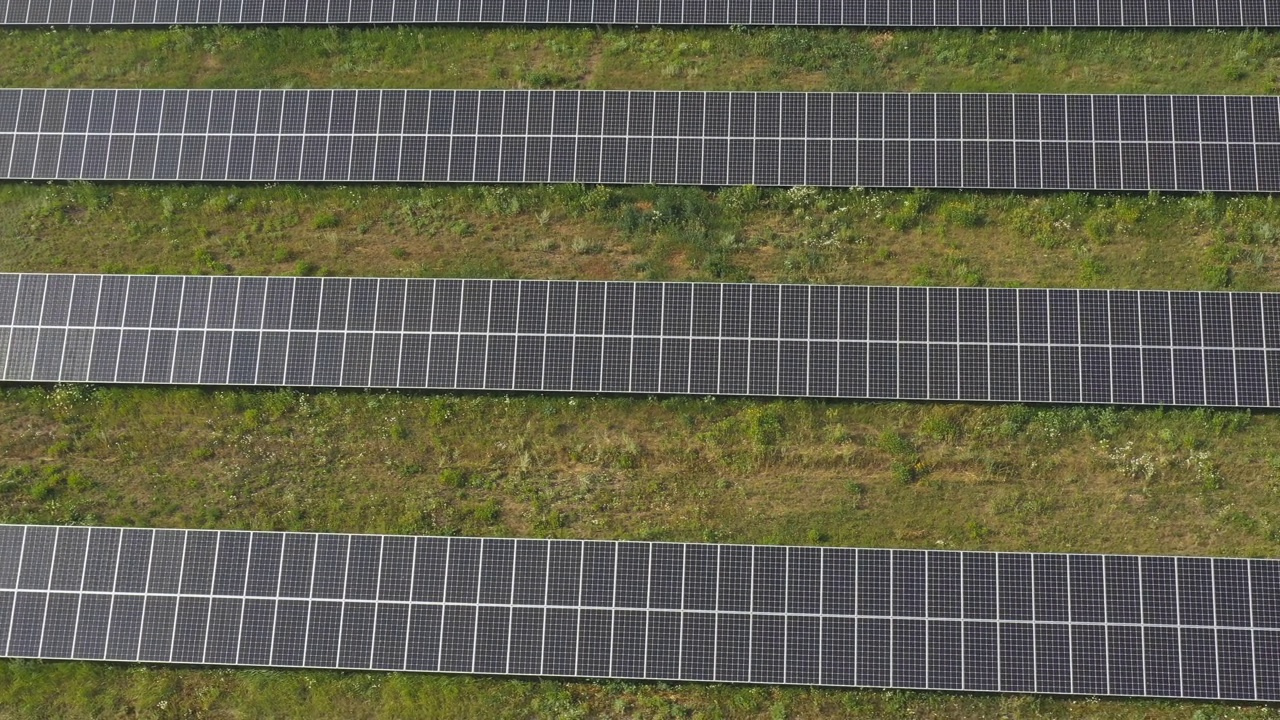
column 802, row 235
column 841, row 473
column 715, row 59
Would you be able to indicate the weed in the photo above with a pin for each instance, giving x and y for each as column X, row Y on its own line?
column 906, row 471
column 976, row 531
column 325, row 221
column 764, row 426
column 965, row 214
column 487, row 512
column 740, row 200
column 223, row 203
column 940, row 427
column 582, row 246
column 895, row 444
column 453, row 478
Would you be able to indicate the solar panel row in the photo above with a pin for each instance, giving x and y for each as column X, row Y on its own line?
column 928, row 13
column 1092, row 346
column 1023, row 622
column 1131, row 142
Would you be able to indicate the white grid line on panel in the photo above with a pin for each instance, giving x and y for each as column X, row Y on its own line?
column 573, row 347
column 48, row 586
column 648, row 604
column 1226, row 120
column 996, row 601
column 475, row 627
column 688, row 366
column 119, row 342
column 511, row 596
column 716, row 629
column 925, row 605
column 1235, row 375
column 346, row 324
column 262, row 329
column 164, row 103
column 719, row 612
column 892, row 602
column 84, row 566
column 244, row 589
column 1266, row 352
column 115, row 582
column 1035, row 656
column 377, row 301
column 377, row 595
column 1106, row 615
column 1142, row 615
column 151, row 557
column 604, row 322
column 1071, row 640
column 964, row 685
column 213, row 579
column 44, row 297
column 444, row 595
column 151, row 310
column 306, row 632
column 66, row 110
column 577, row 645
column 1217, row 670
column 182, row 566
column 1177, row 585
column 1253, row 642
column 413, row 571
column 13, row 147
column 684, row 574
column 546, row 591
column 182, row 299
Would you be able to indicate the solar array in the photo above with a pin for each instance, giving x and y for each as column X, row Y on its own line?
column 1029, row 345
column 1129, row 142
column 1189, row 627
column 920, row 13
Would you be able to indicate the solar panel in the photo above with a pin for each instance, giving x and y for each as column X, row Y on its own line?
column 947, row 13
column 1191, row 627
column 1104, row 142
column 1131, row 347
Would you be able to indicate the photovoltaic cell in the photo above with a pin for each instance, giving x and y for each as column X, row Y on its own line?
column 1065, row 142
column 951, row 620
column 907, row 13
column 975, row 344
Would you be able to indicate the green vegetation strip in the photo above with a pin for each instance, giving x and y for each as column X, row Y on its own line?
column 706, row 59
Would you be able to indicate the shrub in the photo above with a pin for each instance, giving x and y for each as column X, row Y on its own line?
column 453, row 478
column 964, row 214
column 895, row 444
column 324, row 221
column 487, row 512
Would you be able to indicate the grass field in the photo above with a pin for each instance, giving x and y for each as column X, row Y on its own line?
column 842, row 473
